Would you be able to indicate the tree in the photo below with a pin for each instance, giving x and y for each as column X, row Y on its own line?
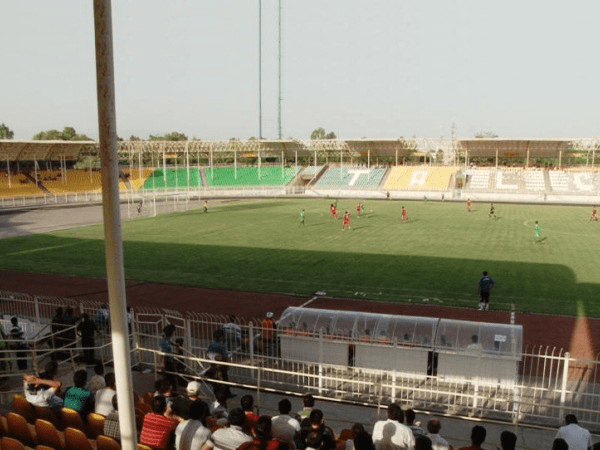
column 5, row 132
column 134, row 138
column 173, row 136
column 320, row 133
column 67, row 134
column 486, row 135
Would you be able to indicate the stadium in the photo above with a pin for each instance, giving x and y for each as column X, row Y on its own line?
column 343, row 300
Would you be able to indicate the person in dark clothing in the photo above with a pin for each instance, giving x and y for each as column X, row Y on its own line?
column 87, row 330
column 17, row 335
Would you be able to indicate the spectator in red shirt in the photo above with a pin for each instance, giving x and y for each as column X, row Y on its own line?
column 157, row 430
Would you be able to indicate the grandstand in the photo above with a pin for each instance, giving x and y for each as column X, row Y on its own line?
column 344, row 168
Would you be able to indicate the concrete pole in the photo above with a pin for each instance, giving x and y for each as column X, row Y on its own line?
column 107, row 131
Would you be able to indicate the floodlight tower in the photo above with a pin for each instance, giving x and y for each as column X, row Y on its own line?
column 279, row 97
column 260, row 69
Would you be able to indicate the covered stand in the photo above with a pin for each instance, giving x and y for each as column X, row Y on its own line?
column 406, row 344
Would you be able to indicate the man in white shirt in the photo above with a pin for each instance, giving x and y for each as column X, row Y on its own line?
column 34, row 393
column 391, row 434
column 284, row 426
column 577, row 437
column 229, row 438
column 433, row 432
column 191, row 433
column 104, row 396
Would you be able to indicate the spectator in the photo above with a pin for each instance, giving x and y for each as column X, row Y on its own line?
column 508, row 440
column 314, row 441
column 218, row 409
column 180, row 409
column 576, row 437
column 233, row 334
column 17, row 335
column 97, row 381
column 87, row 330
column 103, row 318
column 229, row 438
column 391, row 434
column 111, row 422
column 410, row 422
column 157, row 430
column 193, row 390
column 49, row 374
column 69, row 321
column 247, row 404
column 193, row 433
column 179, row 361
column 423, row 443
column 268, row 339
column 168, row 361
column 309, row 403
column 318, row 424
column 56, row 328
column 39, row 391
column 284, row 426
column 560, row 444
column 218, row 347
column 104, row 396
column 363, row 441
column 478, row 435
column 79, row 398
column 263, row 439
column 433, row 432
column 356, row 429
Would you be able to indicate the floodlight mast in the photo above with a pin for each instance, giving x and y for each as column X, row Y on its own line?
column 279, row 98
column 113, row 240
column 260, row 136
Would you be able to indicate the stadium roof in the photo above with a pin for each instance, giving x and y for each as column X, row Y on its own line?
column 514, row 148
column 41, row 150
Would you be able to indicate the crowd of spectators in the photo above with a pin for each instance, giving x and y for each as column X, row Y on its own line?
column 187, row 422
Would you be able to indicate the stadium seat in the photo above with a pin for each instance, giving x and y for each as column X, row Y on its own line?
column 72, row 419
column 47, row 434
column 77, row 440
column 95, row 425
column 44, row 413
column 18, row 428
column 107, row 443
column 21, row 406
column 8, row 443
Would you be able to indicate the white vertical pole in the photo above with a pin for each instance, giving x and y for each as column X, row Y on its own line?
column 235, row 164
column 115, row 273
column 259, row 174
column 187, row 162
column 164, row 167
column 282, row 164
column 8, row 171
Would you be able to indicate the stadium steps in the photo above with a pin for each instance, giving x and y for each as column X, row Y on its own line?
column 317, row 176
column 39, row 184
column 125, row 180
column 547, row 181
column 384, row 178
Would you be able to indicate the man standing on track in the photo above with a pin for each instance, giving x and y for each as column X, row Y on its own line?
column 485, row 288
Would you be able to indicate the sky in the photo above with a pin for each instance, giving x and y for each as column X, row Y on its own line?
column 374, row 69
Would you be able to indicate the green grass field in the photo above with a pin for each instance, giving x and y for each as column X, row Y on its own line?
column 261, row 246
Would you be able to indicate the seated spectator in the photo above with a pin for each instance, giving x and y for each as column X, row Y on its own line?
column 433, row 432
column 575, row 436
column 111, row 422
column 49, row 373
column 193, row 390
column 305, row 430
column 314, row 441
column 508, row 440
column 247, row 403
column 193, row 433
column 391, row 434
column 284, row 426
column 309, row 403
column 104, row 396
column 317, row 423
column 157, row 430
column 410, row 422
column 97, row 381
column 356, row 429
column 231, row 437
column 560, row 444
column 363, row 441
column 218, row 409
column 478, row 435
column 423, row 443
column 263, row 439
column 79, row 398
column 180, row 409
column 39, row 391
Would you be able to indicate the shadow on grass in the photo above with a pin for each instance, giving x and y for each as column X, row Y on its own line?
column 547, row 288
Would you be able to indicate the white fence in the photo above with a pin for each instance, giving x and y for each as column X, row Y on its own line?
column 549, row 383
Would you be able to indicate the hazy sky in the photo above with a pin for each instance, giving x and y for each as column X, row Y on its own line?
column 376, row 68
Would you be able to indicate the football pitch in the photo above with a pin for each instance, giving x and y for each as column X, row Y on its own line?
column 437, row 257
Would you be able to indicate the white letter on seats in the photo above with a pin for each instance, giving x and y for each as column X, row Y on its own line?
column 357, row 174
column 418, row 178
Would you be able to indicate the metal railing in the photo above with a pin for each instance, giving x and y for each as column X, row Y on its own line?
column 548, row 382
